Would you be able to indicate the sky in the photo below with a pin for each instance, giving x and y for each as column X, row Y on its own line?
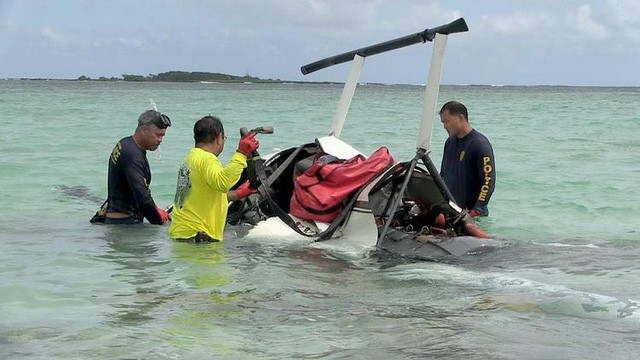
column 509, row 42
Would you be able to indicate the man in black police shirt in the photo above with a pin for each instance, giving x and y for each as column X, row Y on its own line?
column 468, row 166
column 129, row 199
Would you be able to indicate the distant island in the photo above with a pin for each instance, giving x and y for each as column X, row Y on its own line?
column 185, row 76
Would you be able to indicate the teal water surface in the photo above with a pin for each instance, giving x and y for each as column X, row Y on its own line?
column 565, row 285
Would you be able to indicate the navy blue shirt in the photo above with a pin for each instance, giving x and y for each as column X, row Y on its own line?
column 468, row 169
column 128, row 184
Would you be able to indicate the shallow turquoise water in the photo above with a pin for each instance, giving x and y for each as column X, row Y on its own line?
column 566, row 286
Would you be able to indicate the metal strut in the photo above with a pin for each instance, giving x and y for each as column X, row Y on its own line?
column 398, row 197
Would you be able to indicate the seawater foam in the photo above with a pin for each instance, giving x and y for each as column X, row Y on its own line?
column 158, row 151
column 273, row 230
column 520, row 294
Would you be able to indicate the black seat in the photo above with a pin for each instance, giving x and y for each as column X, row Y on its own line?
column 303, row 165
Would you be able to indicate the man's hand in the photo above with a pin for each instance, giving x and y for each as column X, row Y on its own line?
column 164, row 215
column 248, row 144
column 244, row 190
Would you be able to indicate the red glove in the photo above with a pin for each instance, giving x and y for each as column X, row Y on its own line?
column 248, row 144
column 244, row 190
column 164, row 215
column 473, row 213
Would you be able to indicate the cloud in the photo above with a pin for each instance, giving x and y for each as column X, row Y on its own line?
column 422, row 16
column 586, row 26
column 517, row 23
column 272, row 38
column 4, row 26
column 624, row 11
column 118, row 42
column 52, row 36
column 305, row 13
column 622, row 17
column 569, row 26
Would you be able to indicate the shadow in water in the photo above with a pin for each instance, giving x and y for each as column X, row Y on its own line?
column 141, row 272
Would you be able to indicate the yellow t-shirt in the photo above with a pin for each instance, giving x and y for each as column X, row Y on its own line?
column 201, row 202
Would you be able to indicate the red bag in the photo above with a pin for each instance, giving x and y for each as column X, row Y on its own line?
column 320, row 191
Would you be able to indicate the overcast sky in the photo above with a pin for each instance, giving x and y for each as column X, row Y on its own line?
column 569, row 42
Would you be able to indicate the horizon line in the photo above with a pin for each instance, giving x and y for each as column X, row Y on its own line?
column 278, row 81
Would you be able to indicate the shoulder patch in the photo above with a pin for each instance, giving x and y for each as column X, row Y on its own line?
column 115, row 154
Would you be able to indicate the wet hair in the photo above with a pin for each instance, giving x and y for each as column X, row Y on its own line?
column 207, row 129
column 152, row 117
column 455, row 108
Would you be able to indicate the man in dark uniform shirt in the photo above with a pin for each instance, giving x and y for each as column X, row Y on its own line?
column 468, row 166
column 129, row 199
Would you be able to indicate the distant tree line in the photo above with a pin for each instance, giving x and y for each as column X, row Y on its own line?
column 184, row 76
column 101, row 78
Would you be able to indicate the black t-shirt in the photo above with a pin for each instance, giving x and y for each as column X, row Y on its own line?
column 468, row 169
column 128, row 182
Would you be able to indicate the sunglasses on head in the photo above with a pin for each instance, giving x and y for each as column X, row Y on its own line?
column 161, row 120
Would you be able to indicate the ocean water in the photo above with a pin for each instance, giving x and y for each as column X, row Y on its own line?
column 565, row 286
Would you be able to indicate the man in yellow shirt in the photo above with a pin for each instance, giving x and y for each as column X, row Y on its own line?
column 202, row 192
